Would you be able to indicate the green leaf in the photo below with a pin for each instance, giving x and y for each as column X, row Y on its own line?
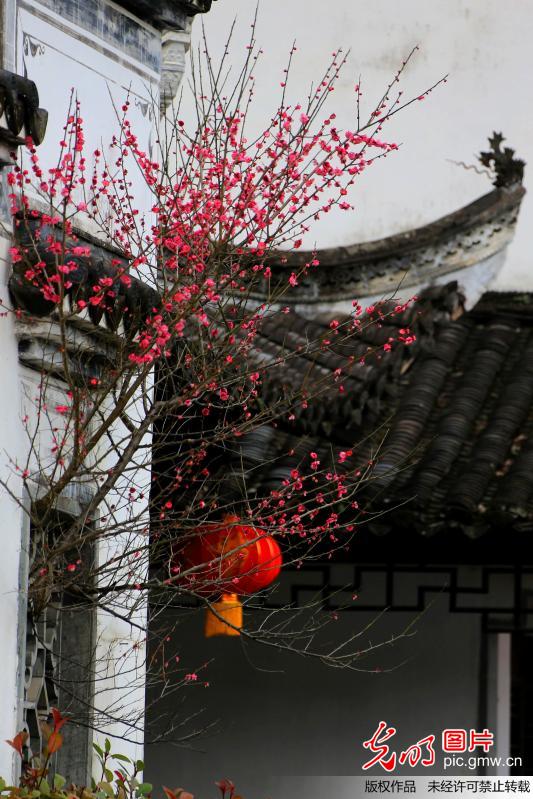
column 139, row 765
column 107, row 745
column 122, row 758
column 108, row 775
column 145, row 788
column 59, row 781
column 98, row 750
column 45, row 787
column 106, row 788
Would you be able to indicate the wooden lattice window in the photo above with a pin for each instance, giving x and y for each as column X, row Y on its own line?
column 58, row 671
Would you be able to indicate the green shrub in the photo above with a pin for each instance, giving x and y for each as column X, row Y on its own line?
column 119, row 777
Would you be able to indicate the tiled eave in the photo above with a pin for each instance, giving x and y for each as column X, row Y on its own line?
column 414, row 258
column 127, row 304
column 20, row 115
column 448, row 421
column 166, row 14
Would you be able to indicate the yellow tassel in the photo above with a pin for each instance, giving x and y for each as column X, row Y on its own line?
column 230, row 609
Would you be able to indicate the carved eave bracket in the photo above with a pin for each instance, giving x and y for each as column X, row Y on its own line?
column 174, row 48
column 175, row 45
column 20, row 115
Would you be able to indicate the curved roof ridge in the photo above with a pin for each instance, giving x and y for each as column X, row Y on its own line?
column 416, row 257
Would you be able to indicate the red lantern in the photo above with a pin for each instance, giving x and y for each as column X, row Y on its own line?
column 234, row 559
column 260, row 566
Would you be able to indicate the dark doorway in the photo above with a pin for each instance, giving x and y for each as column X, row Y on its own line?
column 522, row 703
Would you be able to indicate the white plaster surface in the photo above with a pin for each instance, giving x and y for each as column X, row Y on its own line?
column 68, row 63
column 484, row 46
column 11, row 515
column 59, row 56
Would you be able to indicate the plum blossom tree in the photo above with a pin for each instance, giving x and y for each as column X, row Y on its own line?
column 148, row 362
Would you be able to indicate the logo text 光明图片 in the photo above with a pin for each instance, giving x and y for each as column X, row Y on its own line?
column 423, row 751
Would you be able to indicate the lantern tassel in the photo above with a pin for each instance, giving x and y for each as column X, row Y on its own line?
column 229, row 608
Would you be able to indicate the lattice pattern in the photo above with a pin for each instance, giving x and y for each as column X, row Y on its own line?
column 501, row 595
column 41, row 675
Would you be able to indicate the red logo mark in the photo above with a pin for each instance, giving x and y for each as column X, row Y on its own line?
column 387, row 759
column 454, row 740
column 484, row 739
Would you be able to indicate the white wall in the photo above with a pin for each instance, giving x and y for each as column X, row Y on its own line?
column 12, row 439
column 484, row 46
column 68, row 62
column 59, row 55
